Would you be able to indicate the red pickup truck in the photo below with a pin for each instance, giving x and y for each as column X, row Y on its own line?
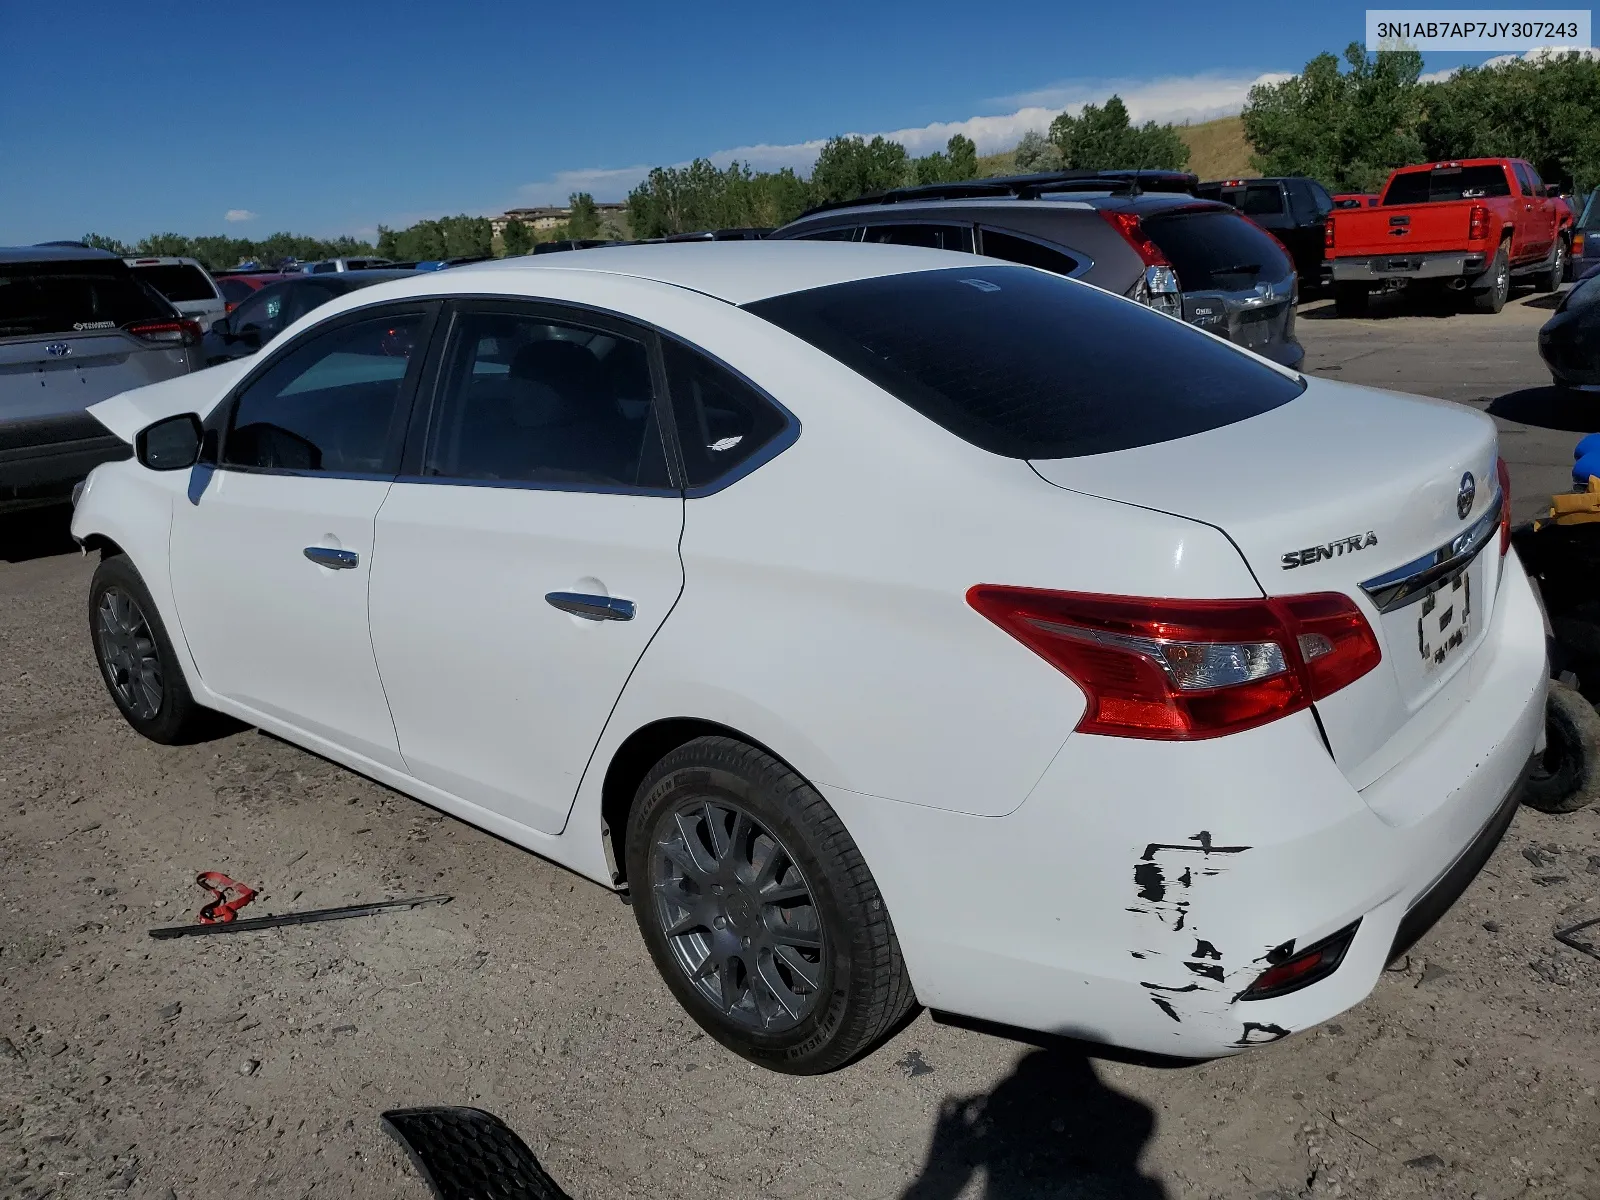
column 1471, row 225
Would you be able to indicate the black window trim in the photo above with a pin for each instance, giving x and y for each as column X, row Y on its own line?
column 857, row 226
column 913, row 218
column 219, row 423
column 1085, row 263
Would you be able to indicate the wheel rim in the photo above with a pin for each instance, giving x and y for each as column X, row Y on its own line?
column 128, row 654
column 738, row 914
column 1561, row 263
column 1502, row 279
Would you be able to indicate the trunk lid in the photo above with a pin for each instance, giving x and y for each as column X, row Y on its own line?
column 1337, row 489
column 60, row 374
column 1401, row 229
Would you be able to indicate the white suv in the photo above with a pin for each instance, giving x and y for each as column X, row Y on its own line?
column 186, row 283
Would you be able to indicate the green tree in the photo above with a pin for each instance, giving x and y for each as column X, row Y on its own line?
column 1036, row 153
column 1348, row 128
column 516, row 239
column 851, row 167
column 585, row 219
column 956, row 163
column 99, row 241
column 1101, row 138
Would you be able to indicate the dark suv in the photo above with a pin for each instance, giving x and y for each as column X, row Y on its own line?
column 1195, row 259
column 1292, row 208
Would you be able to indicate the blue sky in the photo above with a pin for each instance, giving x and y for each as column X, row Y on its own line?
column 332, row 117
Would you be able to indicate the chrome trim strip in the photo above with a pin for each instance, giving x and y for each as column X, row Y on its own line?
column 592, row 608
column 1409, row 583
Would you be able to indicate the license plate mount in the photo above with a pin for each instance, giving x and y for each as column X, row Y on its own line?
column 1445, row 620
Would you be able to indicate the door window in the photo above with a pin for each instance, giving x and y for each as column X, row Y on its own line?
column 1523, row 179
column 1319, row 195
column 331, row 403
column 1029, row 253
column 722, row 420
column 264, row 310
column 935, row 237
column 845, row 233
column 528, row 399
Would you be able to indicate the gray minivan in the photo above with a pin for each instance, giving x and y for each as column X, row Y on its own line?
column 75, row 328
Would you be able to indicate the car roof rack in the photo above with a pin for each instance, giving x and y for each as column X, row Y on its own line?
column 1026, row 187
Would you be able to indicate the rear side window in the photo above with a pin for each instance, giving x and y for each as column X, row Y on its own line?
column 1028, row 365
column 722, row 420
column 1447, row 183
column 1213, row 249
column 73, row 297
column 1029, row 253
column 1261, row 200
column 178, row 281
column 934, row 237
column 235, row 291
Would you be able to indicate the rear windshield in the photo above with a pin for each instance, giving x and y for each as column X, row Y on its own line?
column 1447, row 183
column 1030, row 365
column 1216, row 250
column 73, row 297
column 1261, row 199
column 178, row 281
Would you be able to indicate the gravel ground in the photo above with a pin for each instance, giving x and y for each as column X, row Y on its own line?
column 257, row 1064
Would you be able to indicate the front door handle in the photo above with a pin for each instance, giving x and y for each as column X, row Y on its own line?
column 327, row 556
column 592, row 608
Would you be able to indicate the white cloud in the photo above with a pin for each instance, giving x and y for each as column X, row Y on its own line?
column 1538, row 55
column 240, row 214
column 1178, row 99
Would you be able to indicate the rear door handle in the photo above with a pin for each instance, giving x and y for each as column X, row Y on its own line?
column 327, row 556
column 592, row 608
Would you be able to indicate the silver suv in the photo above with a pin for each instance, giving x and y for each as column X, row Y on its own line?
column 76, row 327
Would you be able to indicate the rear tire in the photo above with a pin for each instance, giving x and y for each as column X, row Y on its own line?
column 1350, row 299
column 1566, row 777
column 136, row 658
column 1491, row 298
column 759, row 911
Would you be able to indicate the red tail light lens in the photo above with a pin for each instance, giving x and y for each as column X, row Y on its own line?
column 1478, row 222
column 1327, row 234
column 167, row 333
column 1311, row 964
column 1504, row 474
column 1181, row 670
column 1127, row 224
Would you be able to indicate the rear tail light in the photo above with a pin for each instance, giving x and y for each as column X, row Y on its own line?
column 1478, row 222
column 1327, row 234
column 1311, row 964
column 1158, row 287
column 1127, row 224
column 1181, row 670
column 1577, row 245
column 1505, row 504
column 182, row 332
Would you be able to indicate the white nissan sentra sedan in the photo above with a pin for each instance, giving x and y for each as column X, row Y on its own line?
column 897, row 627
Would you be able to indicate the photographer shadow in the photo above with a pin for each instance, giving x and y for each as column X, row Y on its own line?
column 1049, row 1129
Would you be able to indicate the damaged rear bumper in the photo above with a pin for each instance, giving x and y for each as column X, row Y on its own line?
column 1137, row 916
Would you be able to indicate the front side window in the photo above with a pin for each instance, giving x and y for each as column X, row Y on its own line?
column 1029, row 365
column 264, row 312
column 934, row 237
column 331, row 403
column 1027, row 252
column 527, row 399
column 722, row 420
column 1320, row 197
column 1524, row 178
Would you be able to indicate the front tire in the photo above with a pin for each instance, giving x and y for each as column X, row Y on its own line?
column 759, row 911
column 135, row 655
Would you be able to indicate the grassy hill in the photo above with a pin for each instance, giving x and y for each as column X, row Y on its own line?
column 1217, row 149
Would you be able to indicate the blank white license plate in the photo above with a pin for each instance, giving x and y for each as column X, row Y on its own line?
column 1443, row 623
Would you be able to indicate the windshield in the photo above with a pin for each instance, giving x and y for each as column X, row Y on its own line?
column 1447, row 183
column 73, row 296
column 1030, row 365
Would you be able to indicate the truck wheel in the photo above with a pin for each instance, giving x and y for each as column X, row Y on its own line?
column 1491, row 298
column 1350, row 299
column 1551, row 279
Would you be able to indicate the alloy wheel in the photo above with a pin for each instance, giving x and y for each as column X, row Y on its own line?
column 738, row 914
column 128, row 654
column 1502, row 280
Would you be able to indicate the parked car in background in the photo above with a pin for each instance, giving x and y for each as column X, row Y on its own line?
column 239, row 287
column 184, row 282
column 76, row 326
column 1586, row 236
column 1293, row 209
column 1198, row 260
column 624, row 554
column 1473, row 225
column 264, row 315
column 330, row 266
column 1354, row 200
column 1569, row 343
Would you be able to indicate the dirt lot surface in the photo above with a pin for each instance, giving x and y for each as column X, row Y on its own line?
column 256, row 1065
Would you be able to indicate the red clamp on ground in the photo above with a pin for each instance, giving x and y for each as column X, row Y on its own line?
column 222, row 909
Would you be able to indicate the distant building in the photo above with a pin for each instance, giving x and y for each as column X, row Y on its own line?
column 539, row 219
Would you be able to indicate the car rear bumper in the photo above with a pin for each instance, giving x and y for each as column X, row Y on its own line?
column 1377, row 268
column 42, row 456
column 1135, row 910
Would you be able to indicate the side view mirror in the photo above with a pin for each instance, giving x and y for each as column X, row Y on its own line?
column 171, row 444
column 250, row 335
column 220, row 327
